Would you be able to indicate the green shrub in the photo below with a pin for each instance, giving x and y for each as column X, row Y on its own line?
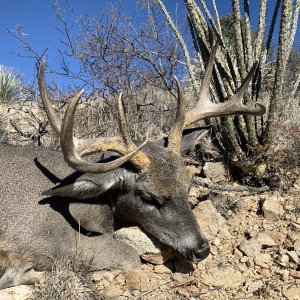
column 12, row 87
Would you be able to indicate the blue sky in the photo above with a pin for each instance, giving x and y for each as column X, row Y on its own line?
column 39, row 22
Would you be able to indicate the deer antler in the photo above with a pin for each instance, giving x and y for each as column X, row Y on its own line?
column 174, row 139
column 204, row 108
column 73, row 149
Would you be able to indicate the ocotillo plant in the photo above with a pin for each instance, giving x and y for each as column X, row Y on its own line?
column 245, row 138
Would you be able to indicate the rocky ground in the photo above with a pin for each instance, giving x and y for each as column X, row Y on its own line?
column 255, row 250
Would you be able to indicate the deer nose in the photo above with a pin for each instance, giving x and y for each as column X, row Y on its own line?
column 202, row 252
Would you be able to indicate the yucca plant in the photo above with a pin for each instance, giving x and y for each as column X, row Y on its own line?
column 11, row 85
column 245, row 138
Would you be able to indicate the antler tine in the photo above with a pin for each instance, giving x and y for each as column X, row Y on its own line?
column 69, row 149
column 204, row 96
column 51, row 114
column 175, row 135
column 204, row 108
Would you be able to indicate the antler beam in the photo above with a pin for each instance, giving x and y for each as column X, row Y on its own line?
column 73, row 149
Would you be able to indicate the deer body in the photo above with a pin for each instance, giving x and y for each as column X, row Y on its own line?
column 44, row 231
column 146, row 185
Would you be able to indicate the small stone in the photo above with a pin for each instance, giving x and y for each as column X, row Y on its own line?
column 283, row 273
column 217, row 242
column 284, row 259
column 266, row 273
column 100, row 275
column 292, row 293
column 214, row 250
column 265, row 239
column 295, row 274
column 293, row 257
column 161, row 269
column 227, row 277
column 254, row 286
column 179, row 278
column 136, row 280
column 251, row 247
column 20, row 292
column 165, row 255
column 120, row 279
column 294, row 237
column 238, row 253
column 263, row 260
column 224, row 233
column 297, row 247
column 244, row 259
column 272, row 208
column 259, row 263
column 277, row 236
column 183, row 291
column 113, row 292
column 205, row 212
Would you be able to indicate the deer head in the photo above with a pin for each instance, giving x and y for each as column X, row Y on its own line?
column 155, row 193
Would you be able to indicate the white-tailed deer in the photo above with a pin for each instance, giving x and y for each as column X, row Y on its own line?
column 146, row 185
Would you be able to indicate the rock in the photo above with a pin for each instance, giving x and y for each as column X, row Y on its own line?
column 277, row 236
column 149, row 251
column 165, row 255
column 183, row 291
column 215, row 171
column 284, row 259
column 137, row 239
column 297, row 247
column 113, row 292
column 272, row 208
column 214, row 250
column 224, row 233
column 293, row 257
column 263, row 260
column 253, row 246
column 295, row 274
column 21, row 292
column 292, row 293
column 136, row 280
column 253, row 286
column 100, row 275
column 294, row 236
column 209, row 219
column 265, row 239
column 161, row 269
column 237, row 252
column 266, row 273
column 226, row 277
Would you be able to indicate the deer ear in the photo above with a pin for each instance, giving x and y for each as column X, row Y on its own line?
column 190, row 138
column 81, row 189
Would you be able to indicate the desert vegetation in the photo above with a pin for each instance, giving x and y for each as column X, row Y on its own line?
column 246, row 167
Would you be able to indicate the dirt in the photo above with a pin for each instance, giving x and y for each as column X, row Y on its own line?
column 254, row 255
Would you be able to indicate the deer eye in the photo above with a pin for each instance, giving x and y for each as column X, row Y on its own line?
column 151, row 201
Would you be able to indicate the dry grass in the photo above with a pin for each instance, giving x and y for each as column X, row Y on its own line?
column 68, row 280
column 149, row 111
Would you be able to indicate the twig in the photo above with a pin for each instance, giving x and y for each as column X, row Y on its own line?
column 219, row 187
